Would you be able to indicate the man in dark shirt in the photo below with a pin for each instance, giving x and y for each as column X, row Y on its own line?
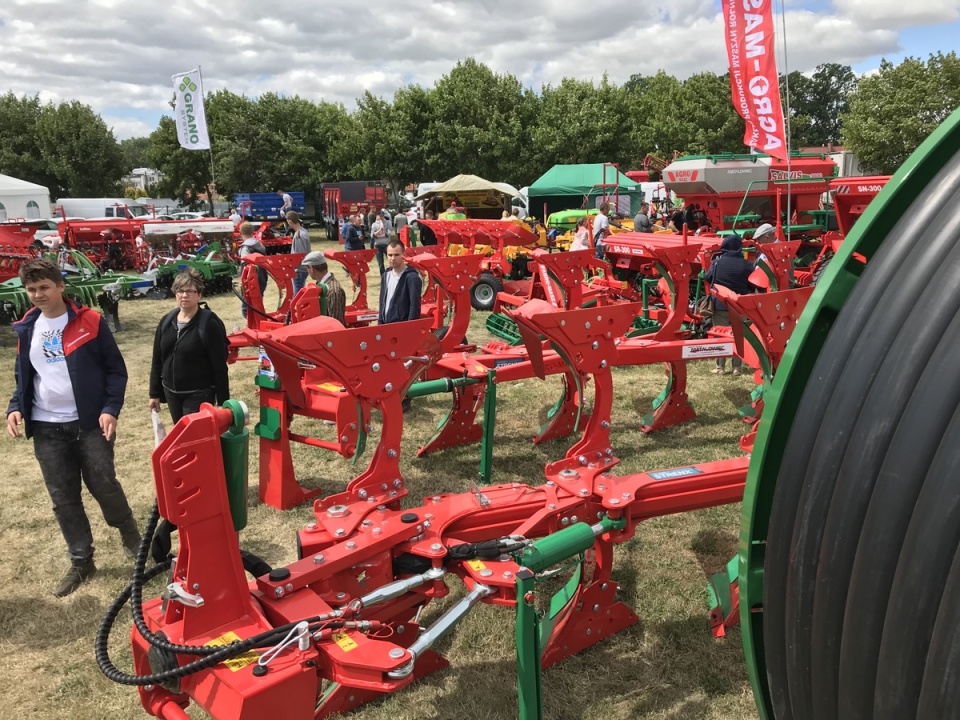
column 732, row 271
column 352, row 234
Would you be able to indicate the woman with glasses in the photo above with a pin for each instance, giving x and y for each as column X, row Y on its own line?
column 189, row 353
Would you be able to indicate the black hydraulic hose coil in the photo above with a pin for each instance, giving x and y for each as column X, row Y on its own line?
column 865, row 521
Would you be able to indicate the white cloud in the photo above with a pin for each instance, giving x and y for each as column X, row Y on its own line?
column 114, row 54
column 897, row 14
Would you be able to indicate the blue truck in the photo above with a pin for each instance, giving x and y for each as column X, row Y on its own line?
column 266, row 205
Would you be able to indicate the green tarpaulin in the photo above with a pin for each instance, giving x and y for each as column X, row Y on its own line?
column 568, row 187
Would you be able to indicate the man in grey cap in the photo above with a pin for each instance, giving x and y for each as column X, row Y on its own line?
column 316, row 265
column 765, row 233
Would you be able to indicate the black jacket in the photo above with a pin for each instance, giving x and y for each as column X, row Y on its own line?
column 406, row 298
column 730, row 269
column 190, row 363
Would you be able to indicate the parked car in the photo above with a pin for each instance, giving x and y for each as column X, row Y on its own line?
column 189, row 215
column 47, row 232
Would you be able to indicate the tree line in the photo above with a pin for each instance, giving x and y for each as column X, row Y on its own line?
column 473, row 120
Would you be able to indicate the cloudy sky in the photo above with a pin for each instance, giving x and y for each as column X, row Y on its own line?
column 118, row 56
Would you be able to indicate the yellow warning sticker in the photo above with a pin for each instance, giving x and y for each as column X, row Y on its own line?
column 345, row 642
column 330, row 387
column 240, row 661
column 476, row 565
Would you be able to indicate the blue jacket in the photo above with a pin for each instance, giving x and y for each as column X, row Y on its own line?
column 730, row 269
column 97, row 371
column 352, row 237
column 406, row 298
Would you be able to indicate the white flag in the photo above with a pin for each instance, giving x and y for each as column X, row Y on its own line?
column 188, row 113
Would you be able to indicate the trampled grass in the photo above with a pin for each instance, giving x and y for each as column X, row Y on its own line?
column 665, row 666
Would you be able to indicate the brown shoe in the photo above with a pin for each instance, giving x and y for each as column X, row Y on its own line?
column 79, row 572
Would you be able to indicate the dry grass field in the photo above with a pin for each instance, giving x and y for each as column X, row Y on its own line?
column 665, row 667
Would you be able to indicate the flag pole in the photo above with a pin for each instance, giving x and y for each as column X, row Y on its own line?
column 213, row 176
column 786, row 80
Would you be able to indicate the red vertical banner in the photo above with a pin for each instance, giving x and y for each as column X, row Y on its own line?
column 754, row 82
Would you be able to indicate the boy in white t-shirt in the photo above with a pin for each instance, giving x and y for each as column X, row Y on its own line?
column 71, row 380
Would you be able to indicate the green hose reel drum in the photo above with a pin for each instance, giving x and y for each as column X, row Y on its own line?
column 849, row 570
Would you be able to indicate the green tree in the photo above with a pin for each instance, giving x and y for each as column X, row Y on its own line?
column 817, row 104
column 19, row 151
column 893, row 111
column 79, row 151
column 134, row 151
column 477, row 123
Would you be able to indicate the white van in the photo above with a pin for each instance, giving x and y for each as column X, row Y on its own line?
column 93, row 208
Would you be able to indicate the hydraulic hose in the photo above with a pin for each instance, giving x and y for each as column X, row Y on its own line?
column 134, row 593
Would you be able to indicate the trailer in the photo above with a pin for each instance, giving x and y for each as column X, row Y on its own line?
column 343, row 199
column 266, row 205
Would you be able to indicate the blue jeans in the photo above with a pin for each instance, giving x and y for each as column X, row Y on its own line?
column 299, row 281
column 67, row 456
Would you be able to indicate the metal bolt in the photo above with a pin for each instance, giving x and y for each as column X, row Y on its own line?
column 278, row 592
column 341, row 596
column 599, row 514
column 289, row 587
column 777, row 306
column 398, row 483
column 329, row 343
column 392, row 354
column 379, row 337
column 586, row 326
column 603, row 587
column 564, row 521
column 601, row 487
column 427, row 523
column 388, row 387
column 351, row 545
column 340, row 532
column 337, row 511
column 605, row 424
column 375, row 367
column 550, row 483
column 782, row 325
column 584, row 492
column 317, row 559
column 608, row 452
column 552, row 506
column 400, row 629
column 311, row 526
column 344, row 438
column 573, row 519
column 614, row 501
column 366, row 523
column 196, row 586
column 596, row 608
column 626, row 496
column 363, row 346
column 486, row 573
column 582, row 459
column 595, row 345
column 588, row 632
column 376, row 531
column 362, row 494
column 397, row 653
column 603, row 363
column 368, row 427
column 507, row 574
column 436, row 546
column 436, row 498
column 391, row 453
column 383, row 486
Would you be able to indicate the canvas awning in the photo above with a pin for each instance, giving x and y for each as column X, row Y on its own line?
column 461, row 184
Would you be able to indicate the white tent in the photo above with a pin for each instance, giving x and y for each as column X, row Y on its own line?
column 21, row 199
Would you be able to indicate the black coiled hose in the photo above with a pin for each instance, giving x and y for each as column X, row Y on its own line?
column 134, row 593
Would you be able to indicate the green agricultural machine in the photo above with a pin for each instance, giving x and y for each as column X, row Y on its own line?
column 85, row 283
column 849, row 572
column 216, row 268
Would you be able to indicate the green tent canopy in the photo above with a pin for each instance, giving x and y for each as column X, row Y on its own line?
column 567, row 187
